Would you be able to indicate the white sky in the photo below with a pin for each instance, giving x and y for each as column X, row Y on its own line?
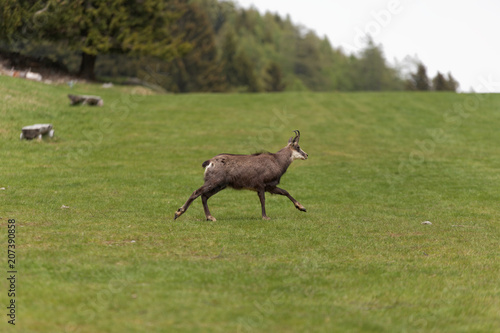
column 461, row 36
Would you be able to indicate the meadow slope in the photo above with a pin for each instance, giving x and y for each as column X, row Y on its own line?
column 98, row 251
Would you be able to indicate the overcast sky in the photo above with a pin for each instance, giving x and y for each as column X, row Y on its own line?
column 461, row 36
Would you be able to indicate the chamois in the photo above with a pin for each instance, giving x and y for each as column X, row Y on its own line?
column 258, row 172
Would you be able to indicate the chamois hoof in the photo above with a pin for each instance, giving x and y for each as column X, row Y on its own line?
column 211, row 218
column 178, row 213
column 301, row 208
column 266, row 218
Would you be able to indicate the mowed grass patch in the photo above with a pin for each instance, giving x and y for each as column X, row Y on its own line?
column 359, row 260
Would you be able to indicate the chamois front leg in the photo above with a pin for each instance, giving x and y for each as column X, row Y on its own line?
column 193, row 196
column 280, row 191
column 262, row 197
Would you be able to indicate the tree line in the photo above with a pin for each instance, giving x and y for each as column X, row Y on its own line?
column 198, row 46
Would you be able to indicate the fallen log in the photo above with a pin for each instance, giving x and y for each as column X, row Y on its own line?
column 36, row 131
column 85, row 100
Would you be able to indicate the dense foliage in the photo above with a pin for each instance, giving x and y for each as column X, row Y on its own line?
column 92, row 27
column 198, row 45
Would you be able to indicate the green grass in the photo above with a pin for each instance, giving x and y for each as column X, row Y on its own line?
column 359, row 260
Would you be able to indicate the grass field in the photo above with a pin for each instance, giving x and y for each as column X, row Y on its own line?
column 359, row 260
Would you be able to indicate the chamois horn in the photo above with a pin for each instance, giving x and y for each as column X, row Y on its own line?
column 297, row 136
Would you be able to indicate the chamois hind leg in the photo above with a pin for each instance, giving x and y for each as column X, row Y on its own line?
column 262, row 197
column 280, row 191
column 204, row 189
column 204, row 199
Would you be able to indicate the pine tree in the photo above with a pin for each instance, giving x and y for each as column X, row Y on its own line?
column 439, row 83
column 274, row 78
column 219, row 12
column 198, row 70
column 245, row 73
column 228, row 56
column 371, row 68
column 13, row 15
column 94, row 27
column 452, row 83
column 419, row 80
column 307, row 63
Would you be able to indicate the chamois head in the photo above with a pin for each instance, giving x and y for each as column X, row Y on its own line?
column 293, row 143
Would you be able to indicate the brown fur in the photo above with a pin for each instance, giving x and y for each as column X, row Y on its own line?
column 258, row 172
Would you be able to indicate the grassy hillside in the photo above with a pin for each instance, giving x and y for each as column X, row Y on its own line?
column 359, row 260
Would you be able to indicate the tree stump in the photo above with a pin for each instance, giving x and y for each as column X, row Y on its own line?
column 85, row 100
column 36, row 131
